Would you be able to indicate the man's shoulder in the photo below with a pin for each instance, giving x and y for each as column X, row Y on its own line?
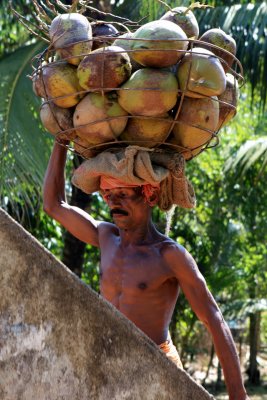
column 175, row 254
column 107, row 228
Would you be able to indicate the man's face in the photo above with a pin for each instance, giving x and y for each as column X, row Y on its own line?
column 127, row 206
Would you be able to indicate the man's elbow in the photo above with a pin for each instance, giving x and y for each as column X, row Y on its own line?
column 51, row 208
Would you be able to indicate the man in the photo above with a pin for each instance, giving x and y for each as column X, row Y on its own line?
column 142, row 270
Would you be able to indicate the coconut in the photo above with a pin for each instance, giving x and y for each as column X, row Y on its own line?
column 56, row 120
column 163, row 45
column 226, row 44
column 83, row 148
column 125, row 41
column 61, row 84
column 71, row 36
column 200, row 73
column 105, row 68
column 108, row 31
column 90, row 114
column 184, row 18
column 197, row 121
column 149, row 92
column 228, row 101
column 147, row 132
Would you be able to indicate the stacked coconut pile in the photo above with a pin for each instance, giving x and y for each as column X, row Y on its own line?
column 160, row 86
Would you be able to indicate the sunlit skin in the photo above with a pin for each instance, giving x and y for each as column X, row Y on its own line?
column 142, row 270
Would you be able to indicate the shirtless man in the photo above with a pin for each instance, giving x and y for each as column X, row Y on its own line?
column 141, row 269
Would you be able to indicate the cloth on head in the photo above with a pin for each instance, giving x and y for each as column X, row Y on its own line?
column 139, row 166
column 107, row 182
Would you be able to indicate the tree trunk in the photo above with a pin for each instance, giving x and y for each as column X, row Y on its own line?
column 254, row 336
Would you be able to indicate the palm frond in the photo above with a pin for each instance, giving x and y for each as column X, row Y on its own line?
column 23, row 155
column 249, row 153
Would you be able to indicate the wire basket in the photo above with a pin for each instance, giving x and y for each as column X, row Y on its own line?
column 158, row 108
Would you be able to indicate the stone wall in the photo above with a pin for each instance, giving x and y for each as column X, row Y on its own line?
column 60, row 340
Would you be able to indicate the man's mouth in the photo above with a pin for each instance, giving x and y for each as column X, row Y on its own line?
column 118, row 211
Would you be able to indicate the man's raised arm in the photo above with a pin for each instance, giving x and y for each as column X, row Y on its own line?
column 203, row 304
column 76, row 221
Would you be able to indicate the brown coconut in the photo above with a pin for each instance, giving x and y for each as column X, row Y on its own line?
column 197, row 122
column 83, row 148
column 222, row 45
column 163, row 45
column 71, row 36
column 228, row 101
column 105, row 30
column 90, row 113
column 149, row 92
column 200, row 73
column 185, row 19
column 147, row 132
column 56, row 119
column 61, row 84
column 105, row 68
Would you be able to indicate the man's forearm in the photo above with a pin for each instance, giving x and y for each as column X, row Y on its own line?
column 227, row 354
column 54, row 182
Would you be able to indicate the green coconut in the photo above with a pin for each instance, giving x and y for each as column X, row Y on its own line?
column 228, row 101
column 149, row 92
column 60, row 83
column 71, row 36
column 184, row 18
column 56, row 119
column 147, row 132
column 197, row 122
column 104, row 69
column 200, row 73
column 163, row 44
column 126, row 41
column 99, row 118
column 222, row 45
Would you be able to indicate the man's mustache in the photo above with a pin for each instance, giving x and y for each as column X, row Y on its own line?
column 118, row 211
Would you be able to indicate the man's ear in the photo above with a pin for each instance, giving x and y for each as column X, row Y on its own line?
column 153, row 199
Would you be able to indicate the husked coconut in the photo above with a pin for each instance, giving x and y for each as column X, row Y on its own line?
column 126, row 41
column 56, row 120
column 163, row 44
column 228, row 101
column 147, row 132
column 200, row 73
column 184, row 18
column 99, row 119
column 105, row 68
column 222, row 45
column 197, row 121
column 71, row 36
column 105, row 30
column 61, row 84
column 149, row 92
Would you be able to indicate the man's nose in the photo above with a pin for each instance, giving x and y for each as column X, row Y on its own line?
column 113, row 199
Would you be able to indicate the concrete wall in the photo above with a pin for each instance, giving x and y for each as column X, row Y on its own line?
column 59, row 340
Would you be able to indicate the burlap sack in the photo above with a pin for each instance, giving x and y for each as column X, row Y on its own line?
column 138, row 166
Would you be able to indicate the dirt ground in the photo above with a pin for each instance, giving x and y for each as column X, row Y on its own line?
column 198, row 370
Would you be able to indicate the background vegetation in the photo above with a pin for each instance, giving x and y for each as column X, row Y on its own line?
column 226, row 233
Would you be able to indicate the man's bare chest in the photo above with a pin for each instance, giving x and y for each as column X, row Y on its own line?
column 133, row 269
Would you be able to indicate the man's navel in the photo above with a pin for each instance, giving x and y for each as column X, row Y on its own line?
column 142, row 285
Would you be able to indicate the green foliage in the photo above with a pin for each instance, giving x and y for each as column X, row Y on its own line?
column 24, row 149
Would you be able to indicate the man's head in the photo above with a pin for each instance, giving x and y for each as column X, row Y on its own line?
column 129, row 205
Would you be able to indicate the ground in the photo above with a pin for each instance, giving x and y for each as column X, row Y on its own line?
column 199, row 367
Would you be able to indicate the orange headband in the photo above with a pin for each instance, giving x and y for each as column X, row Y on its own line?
column 107, row 182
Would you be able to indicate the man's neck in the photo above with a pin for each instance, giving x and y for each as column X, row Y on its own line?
column 142, row 234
